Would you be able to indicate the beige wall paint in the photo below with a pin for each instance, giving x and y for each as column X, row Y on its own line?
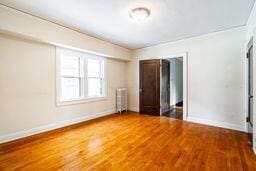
column 216, row 76
column 27, row 87
column 27, row 26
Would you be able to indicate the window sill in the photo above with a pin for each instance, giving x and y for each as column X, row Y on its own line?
column 79, row 101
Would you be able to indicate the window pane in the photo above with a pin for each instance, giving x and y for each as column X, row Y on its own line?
column 70, row 88
column 94, row 87
column 69, row 65
column 93, row 68
column 102, row 69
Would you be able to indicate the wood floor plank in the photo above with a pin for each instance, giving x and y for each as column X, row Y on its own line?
column 131, row 142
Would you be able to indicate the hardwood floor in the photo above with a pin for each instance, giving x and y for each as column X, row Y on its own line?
column 131, row 142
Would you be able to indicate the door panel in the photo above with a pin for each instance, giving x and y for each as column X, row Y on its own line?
column 150, row 87
column 165, row 86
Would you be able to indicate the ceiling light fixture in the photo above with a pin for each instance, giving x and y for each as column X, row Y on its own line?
column 139, row 14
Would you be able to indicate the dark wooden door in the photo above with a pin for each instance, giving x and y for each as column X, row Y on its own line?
column 165, row 86
column 150, row 87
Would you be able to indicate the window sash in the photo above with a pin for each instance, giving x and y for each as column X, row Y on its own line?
column 100, row 77
column 80, row 89
column 92, row 91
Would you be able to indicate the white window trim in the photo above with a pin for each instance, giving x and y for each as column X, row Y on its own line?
column 60, row 102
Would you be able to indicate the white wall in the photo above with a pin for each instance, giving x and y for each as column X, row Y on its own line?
column 251, row 23
column 27, row 90
column 176, row 81
column 251, row 32
column 24, row 25
column 216, row 74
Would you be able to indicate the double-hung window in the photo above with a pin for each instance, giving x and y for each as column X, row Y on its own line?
column 81, row 76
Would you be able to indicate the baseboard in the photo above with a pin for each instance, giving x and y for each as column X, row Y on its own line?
column 44, row 128
column 217, row 123
column 134, row 109
column 254, row 149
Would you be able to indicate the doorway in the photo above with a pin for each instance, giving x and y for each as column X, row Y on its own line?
column 173, row 106
column 250, row 89
column 152, row 84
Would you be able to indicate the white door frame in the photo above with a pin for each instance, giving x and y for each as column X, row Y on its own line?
column 254, row 90
column 185, row 80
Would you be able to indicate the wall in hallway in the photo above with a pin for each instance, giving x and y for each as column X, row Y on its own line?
column 176, row 81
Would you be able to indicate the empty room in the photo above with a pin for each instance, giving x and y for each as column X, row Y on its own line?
column 128, row 85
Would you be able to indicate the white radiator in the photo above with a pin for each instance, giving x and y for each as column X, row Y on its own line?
column 121, row 99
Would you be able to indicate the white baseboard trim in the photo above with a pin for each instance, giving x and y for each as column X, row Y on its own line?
column 44, row 128
column 134, row 109
column 217, row 123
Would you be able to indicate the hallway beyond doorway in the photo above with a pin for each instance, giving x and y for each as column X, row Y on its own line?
column 175, row 112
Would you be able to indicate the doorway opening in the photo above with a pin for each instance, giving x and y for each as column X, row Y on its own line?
column 172, row 87
column 158, row 94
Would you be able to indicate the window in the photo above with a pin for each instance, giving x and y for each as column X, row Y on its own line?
column 81, row 76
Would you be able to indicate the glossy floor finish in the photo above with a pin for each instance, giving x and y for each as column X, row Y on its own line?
column 131, row 142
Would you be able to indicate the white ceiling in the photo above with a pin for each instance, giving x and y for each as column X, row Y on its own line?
column 169, row 20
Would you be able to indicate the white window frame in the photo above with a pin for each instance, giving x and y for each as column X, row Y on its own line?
column 83, row 57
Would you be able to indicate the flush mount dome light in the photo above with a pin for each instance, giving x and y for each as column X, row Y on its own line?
column 139, row 14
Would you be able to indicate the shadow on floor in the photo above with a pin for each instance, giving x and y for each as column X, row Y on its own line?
column 175, row 112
